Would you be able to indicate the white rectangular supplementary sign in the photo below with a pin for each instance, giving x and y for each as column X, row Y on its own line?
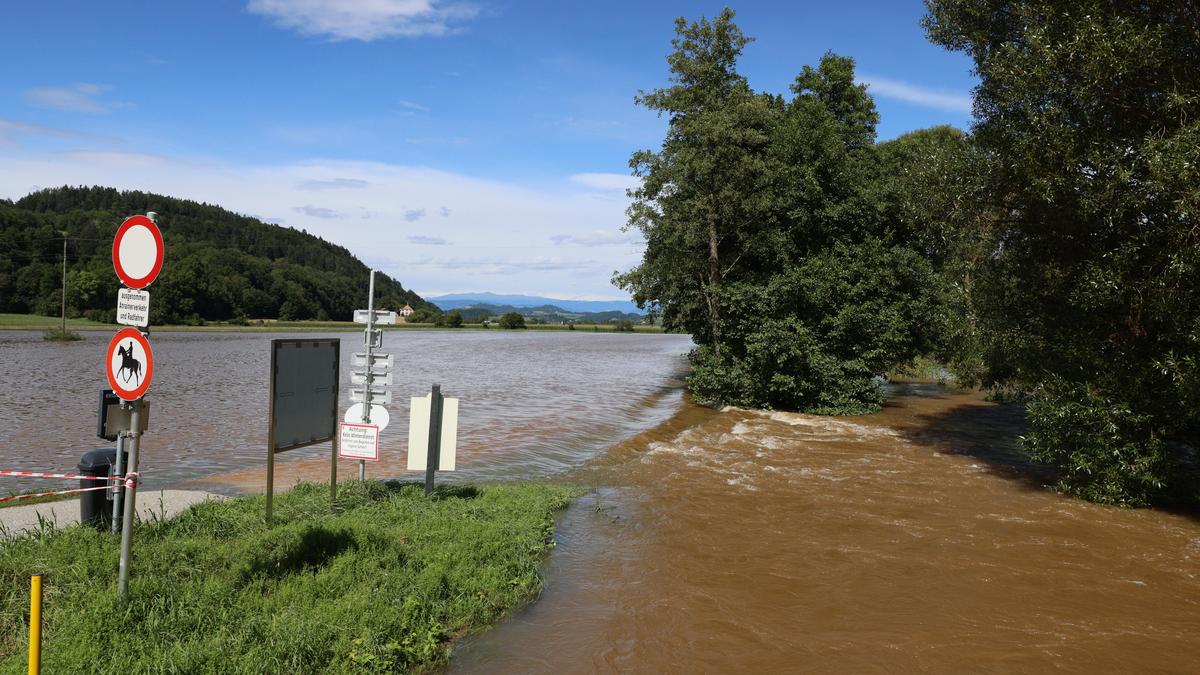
column 133, row 307
column 359, row 441
column 418, row 434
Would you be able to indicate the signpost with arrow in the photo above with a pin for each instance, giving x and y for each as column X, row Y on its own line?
column 372, row 372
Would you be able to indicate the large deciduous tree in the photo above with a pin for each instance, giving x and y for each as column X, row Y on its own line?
column 765, row 238
column 1091, row 111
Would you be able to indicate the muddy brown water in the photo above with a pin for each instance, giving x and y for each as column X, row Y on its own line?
column 913, row 540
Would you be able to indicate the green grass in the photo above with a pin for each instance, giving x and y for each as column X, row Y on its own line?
column 384, row 584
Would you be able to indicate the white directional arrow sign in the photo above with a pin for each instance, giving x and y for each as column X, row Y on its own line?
column 364, row 315
column 382, row 378
column 379, row 416
column 384, row 361
column 379, row 395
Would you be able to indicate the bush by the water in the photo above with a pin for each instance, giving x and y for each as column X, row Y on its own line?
column 380, row 585
column 512, row 320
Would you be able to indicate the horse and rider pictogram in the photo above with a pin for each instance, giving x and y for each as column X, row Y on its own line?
column 130, row 364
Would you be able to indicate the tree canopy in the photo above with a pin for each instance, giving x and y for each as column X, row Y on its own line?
column 1089, row 297
column 219, row 265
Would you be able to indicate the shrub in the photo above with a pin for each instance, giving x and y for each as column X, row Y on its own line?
column 1107, row 452
column 512, row 320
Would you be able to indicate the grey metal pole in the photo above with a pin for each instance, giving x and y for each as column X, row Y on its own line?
column 433, row 458
column 130, row 500
column 64, row 286
column 368, row 379
column 118, row 471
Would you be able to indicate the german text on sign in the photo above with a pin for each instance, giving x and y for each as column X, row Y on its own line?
column 359, row 441
column 133, row 308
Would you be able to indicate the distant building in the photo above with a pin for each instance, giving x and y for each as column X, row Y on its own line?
column 406, row 311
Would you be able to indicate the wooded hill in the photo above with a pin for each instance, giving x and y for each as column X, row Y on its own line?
column 219, row 265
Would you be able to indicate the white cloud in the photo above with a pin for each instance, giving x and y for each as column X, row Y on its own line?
column 82, row 97
column 498, row 233
column 610, row 237
column 366, row 20
column 427, row 241
column 413, row 215
column 608, row 182
column 922, row 96
column 332, row 184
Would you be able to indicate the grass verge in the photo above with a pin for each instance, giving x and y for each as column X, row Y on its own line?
column 384, row 583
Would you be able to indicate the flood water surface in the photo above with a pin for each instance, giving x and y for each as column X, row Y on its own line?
column 911, row 540
column 915, row 539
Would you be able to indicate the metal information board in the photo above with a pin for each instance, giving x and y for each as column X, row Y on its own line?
column 304, row 396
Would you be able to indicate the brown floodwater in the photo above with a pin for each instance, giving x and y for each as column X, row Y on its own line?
column 915, row 539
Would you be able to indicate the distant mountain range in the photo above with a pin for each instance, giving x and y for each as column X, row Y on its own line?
column 460, row 300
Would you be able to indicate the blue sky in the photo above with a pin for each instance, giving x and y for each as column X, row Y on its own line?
column 458, row 146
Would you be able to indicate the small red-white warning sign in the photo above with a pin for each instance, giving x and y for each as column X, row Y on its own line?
column 137, row 252
column 359, row 441
column 129, row 364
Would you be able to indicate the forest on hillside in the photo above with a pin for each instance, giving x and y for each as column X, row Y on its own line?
column 1051, row 253
column 219, row 265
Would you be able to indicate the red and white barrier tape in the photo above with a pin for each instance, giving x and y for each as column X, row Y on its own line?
column 130, row 481
column 35, row 474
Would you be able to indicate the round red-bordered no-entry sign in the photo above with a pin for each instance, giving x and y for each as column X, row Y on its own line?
column 137, row 252
column 129, row 364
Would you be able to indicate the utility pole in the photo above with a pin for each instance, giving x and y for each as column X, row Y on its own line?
column 64, row 285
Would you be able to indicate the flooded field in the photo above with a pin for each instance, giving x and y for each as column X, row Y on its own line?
column 533, row 403
column 916, row 539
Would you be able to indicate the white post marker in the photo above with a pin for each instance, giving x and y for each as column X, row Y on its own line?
column 418, row 434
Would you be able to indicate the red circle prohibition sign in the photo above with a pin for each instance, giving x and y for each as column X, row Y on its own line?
column 139, row 260
column 129, row 364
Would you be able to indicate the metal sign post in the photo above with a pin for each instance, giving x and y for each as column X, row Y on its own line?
column 366, row 415
column 435, row 437
column 137, row 255
column 372, row 372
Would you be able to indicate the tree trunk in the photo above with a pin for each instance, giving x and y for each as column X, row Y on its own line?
column 714, row 283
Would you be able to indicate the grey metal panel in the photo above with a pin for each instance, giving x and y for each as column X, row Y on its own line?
column 304, row 391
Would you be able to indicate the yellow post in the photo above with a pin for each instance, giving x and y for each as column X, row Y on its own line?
column 35, row 624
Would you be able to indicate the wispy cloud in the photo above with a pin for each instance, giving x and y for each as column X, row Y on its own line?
column 412, row 105
column 332, row 184
column 614, row 182
column 444, row 211
column 317, row 212
column 498, row 233
column 413, row 215
column 596, row 238
column 82, row 97
column 916, row 94
column 366, row 20
column 11, row 130
column 436, row 140
column 426, row 241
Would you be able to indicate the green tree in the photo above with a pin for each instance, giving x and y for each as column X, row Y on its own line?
column 512, row 320
column 702, row 195
column 451, row 320
column 766, row 236
column 1090, row 297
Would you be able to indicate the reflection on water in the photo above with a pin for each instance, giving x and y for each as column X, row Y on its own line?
column 915, row 539
column 533, row 403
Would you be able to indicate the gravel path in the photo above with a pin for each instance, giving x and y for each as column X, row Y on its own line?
column 162, row 503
